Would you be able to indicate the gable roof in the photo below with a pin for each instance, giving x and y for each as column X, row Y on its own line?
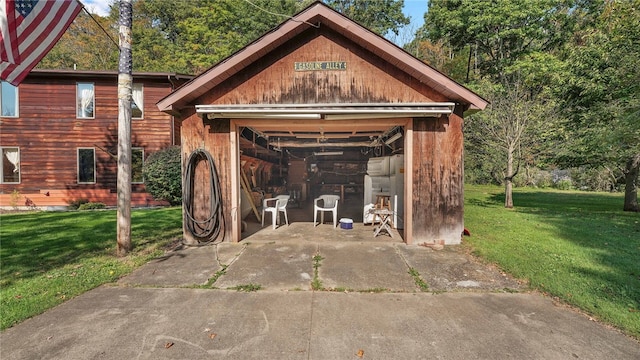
column 319, row 14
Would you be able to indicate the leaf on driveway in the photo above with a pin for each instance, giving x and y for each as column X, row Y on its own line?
column 360, row 353
column 168, row 345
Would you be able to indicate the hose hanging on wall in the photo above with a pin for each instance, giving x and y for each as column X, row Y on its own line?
column 205, row 231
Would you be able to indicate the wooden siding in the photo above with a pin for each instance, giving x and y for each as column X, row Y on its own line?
column 438, row 180
column 48, row 135
column 213, row 137
column 367, row 79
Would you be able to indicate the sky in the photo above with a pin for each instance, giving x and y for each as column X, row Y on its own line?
column 413, row 8
column 100, row 7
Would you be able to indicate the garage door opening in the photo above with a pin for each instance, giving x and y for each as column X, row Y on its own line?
column 362, row 164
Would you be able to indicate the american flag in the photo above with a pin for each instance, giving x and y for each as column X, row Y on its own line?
column 28, row 30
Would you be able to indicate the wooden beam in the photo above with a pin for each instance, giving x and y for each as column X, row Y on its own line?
column 247, row 190
column 322, row 125
column 236, row 218
column 315, row 144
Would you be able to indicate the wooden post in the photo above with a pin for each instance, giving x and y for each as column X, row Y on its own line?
column 125, row 82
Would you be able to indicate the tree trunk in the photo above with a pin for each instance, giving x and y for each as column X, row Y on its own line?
column 508, row 181
column 125, row 82
column 631, row 184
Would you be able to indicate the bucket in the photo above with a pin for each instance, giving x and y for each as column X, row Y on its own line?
column 346, row 223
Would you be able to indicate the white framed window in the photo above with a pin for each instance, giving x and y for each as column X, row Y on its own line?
column 137, row 161
column 10, row 171
column 137, row 101
column 86, row 166
column 9, row 103
column 85, row 101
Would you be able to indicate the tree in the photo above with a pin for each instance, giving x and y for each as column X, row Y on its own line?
column 85, row 46
column 440, row 56
column 189, row 36
column 509, row 44
column 602, row 94
column 507, row 127
column 500, row 32
column 380, row 16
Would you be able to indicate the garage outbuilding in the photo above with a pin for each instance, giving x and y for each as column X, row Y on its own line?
column 322, row 105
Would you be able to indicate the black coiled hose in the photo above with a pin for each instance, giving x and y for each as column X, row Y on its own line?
column 206, row 231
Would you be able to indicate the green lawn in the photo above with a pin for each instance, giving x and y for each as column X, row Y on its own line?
column 49, row 257
column 577, row 246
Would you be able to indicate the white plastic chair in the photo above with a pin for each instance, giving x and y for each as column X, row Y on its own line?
column 279, row 205
column 329, row 203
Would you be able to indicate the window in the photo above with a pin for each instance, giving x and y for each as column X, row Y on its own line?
column 86, row 165
column 137, row 161
column 10, row 165
column 137, row 103
column 85, row 101
column 9, row 100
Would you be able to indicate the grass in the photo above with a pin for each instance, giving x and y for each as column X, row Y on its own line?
column 579, row 247
column 49, row 257
column 251, row 287
column 420, row 283
column 316, row 284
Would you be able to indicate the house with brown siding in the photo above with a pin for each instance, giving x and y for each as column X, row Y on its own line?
column 322, row 105
column 58, row 136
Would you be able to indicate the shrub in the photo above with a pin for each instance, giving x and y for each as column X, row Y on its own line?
column 75, row 204
column 163, row 175
column 92, row 206
column 564, row 184
column 594, row 179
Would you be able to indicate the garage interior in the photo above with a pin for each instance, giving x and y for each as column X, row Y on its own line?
column 306, row 162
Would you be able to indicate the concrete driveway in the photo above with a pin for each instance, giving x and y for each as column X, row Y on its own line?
column 379, row 300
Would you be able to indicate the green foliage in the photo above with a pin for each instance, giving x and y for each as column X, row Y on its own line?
column 191, row 36
column 316, row 283
column 564, row 184
column 576, row 246
column 502, row 32
column 509, row 135
column 75, row 204
column 594, row 179
column 248, row 287
column 163, row 175
column 69, row 253
column 602, row 95
column 420, row 283
column 92, row 206
column 441, row 57
column 84, row 46
column 380, row 16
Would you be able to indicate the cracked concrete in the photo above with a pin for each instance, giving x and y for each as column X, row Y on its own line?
column 470, row 310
